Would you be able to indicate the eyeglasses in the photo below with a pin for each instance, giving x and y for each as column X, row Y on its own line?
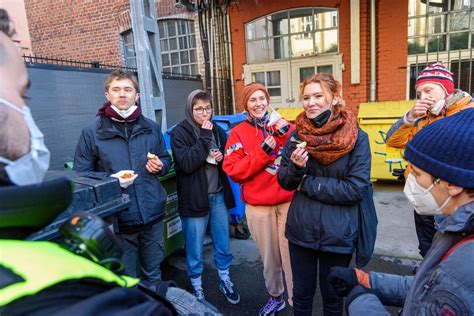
column 201, row 110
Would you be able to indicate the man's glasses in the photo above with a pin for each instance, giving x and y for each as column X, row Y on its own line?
column 201, row 110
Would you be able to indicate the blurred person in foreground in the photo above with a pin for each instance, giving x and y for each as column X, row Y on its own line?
column 440, row 183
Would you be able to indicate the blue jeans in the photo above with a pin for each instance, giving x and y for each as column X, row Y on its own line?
column 146, row 249
column 194, row 230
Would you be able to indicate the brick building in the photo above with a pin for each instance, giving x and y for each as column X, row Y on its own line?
column 277, row 42
column 100, row 31
column 280, row 42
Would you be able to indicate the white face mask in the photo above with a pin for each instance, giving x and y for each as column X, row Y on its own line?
column 125, row 113
column 421, row 198
column 29, row 168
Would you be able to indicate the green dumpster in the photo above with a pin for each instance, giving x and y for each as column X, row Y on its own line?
column 173, row 229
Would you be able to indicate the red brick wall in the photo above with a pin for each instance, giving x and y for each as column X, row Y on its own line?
column 391, row 49
column 392, row 46
column 86, row 30
column 81, row 29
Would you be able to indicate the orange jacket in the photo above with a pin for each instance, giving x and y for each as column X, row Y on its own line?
column 406, row 132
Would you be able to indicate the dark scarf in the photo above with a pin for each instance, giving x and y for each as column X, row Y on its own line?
column 262, row 124
column 107, row 111
column 333, row 140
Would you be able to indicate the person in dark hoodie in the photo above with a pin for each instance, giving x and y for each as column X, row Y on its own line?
column 120, row 141
column 204, row 193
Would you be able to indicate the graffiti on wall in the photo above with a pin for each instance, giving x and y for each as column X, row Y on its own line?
column 392, row 162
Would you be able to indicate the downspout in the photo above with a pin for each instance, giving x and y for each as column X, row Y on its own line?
column 230, row 61
column 373, row 61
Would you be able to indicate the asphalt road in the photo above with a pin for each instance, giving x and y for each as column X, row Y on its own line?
column 395, row 252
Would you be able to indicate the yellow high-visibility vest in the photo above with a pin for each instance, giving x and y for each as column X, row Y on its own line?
column 43, row 264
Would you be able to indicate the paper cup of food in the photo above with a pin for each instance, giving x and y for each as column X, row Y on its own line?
column 126, row 177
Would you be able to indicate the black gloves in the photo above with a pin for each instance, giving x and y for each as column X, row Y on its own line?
column 343, row 280
column 399, row 173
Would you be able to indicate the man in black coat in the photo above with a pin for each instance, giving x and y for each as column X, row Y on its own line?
column 121, row 142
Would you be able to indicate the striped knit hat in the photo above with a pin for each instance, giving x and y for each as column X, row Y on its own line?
column 438, row 74
column 445, row 149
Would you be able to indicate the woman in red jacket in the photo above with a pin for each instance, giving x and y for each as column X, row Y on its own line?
column 253, row 155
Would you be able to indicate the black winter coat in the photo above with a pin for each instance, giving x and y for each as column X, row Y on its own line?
column 323, row 214
column 190, row 156
column 104, row 149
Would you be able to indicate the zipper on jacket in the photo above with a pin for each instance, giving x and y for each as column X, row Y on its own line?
column 427, row 287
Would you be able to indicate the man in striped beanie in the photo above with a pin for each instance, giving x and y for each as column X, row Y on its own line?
column 435, row 98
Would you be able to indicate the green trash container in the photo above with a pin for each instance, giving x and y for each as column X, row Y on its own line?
column 173, row 228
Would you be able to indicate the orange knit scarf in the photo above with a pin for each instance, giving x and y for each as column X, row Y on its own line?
column 333, row 140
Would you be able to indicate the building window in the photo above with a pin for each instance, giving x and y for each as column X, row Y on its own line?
column 439, row 25
column 270, row 79
column 441, row 30
column 178, row 47
column 292, row 34
column 128, row 50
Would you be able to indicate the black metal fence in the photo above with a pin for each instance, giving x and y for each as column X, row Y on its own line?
column 73, row 64
column 70, row 64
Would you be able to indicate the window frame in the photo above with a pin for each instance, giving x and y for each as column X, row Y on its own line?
column 448, row 34
column 289, row 54
column 185, row 43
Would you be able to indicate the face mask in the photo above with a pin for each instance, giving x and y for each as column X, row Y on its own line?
column 124, row 113
column 29, row 168
column 421, row 198
column 322, row 118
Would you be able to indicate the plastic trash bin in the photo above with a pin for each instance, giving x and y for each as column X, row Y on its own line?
column 173, row 228
column 226, row 122
column 101, row 197
column 376, row 118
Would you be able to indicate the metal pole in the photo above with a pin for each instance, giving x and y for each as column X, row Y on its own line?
column 373, row 61
column 148, row 57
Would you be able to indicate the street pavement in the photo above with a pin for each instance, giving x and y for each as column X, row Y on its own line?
column 395, row 252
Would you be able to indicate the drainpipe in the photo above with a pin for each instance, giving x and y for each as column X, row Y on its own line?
column 373, row 64
column 230, row 61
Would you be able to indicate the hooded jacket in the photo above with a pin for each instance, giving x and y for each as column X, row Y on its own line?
column 104, row 149
column 440, row 287
column 190, row 145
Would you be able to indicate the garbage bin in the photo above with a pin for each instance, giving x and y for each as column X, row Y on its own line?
column 101, row 197
column 173, row 235
column 376, row 118
column 226, row 122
